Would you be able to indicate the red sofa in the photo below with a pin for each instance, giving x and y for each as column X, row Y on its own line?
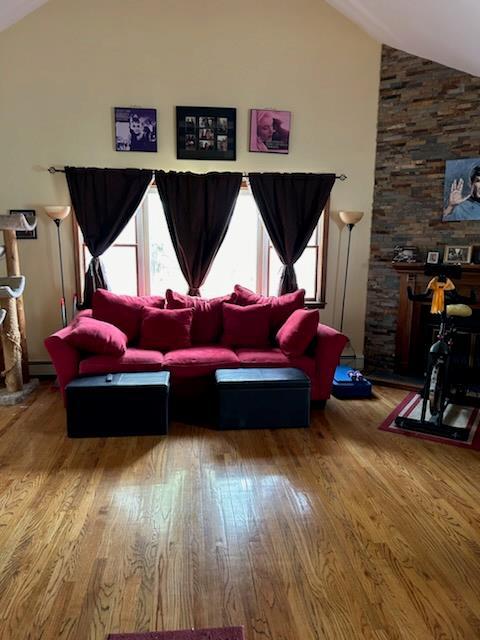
column 194, row 367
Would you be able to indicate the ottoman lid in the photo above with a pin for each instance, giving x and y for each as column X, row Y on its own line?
column 122, row 380
column 275, row 377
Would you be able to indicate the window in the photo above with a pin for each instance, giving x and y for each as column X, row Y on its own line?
column 305, row 268
column 143, row 260
column 120, row 261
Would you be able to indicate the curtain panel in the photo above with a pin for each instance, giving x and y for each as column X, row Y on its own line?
column 198, row 209
column 290, row 205
column 103, row 200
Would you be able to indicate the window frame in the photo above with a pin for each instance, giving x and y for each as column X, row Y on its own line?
column 321, row 250
column 80, row 265
column 263, row 253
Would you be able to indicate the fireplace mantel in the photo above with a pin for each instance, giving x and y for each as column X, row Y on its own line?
column 409, row 313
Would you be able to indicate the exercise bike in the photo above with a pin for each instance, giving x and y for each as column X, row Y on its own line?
column 440, row 389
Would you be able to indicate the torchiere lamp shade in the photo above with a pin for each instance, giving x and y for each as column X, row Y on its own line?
column 59, row 212
column 350, row 217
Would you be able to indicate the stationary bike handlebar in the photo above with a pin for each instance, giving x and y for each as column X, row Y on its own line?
column 452, row 297
column 443, row 271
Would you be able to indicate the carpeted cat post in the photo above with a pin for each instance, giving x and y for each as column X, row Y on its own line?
column 13, row 328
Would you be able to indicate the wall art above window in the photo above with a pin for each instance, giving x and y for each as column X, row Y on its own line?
column 135, row 129
column 206, row 133
column 462, row 190
column 269, row 130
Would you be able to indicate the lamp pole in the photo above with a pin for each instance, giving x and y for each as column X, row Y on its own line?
column 350, row 227
column 57, row 214
column 63, row 307
column 350, row 219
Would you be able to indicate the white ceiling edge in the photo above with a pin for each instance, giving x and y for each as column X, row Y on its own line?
column 445, row 31
column 12, row 11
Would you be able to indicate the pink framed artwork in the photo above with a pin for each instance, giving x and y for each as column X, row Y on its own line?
column 269, row 130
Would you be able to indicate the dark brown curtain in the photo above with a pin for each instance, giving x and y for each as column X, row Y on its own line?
column 290, row 205
column 103, row 200
column 198, row 209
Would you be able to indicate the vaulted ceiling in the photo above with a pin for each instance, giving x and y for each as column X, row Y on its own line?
column 12, row 11
column 446, row 31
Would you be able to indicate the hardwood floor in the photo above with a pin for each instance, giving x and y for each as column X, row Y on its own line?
column 336, row 532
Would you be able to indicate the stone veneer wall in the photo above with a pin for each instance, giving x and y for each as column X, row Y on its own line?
column 427, row 114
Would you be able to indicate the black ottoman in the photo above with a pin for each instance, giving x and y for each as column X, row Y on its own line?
column 119, row 404
column 263, row 398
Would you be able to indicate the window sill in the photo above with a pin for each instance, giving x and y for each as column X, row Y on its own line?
column 315, row 304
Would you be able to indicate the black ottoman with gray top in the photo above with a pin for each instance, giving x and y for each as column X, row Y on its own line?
column 118, row 404
column 263, row 398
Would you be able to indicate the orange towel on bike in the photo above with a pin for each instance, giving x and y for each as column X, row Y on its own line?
column 439, row 288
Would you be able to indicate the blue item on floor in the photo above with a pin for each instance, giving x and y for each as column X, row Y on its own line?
column 349, row 383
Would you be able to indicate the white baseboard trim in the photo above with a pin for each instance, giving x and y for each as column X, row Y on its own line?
column 41, row 368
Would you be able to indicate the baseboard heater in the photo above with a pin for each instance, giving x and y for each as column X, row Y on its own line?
column 41, row 368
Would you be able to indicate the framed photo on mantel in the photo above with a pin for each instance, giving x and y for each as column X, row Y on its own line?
column 206, row 133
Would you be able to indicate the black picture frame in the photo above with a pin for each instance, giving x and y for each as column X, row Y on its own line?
column 405, row 253
column 206, row 133
column 433, row 257
column 126, row 122
column 30, row 215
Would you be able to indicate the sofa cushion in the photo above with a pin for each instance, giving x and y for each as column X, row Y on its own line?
column 125, row 312
column 132, row 360
column 246, row 326
column 165, row 329
column 207, row 315
column 282, row 306
column 199, row 361
column 262, row 358
column 95, row 336
column 298, row 331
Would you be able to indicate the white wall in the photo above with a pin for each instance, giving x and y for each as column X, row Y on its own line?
column 64, row 67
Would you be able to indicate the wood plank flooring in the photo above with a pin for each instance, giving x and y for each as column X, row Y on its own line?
column 336, row 532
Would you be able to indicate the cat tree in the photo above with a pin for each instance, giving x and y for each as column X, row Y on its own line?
column 12, row 314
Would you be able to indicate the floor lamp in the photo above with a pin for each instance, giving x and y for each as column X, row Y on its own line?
column 350, row 219
column 57, row 214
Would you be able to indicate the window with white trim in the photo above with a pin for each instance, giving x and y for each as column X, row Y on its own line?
column 142, row 260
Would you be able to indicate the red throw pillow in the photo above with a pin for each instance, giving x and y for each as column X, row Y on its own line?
column 207, row 315
column 166, row 329
column 282, row 306
column 95, row 336
column 246, row 326
column 125, row 312
column 298, row 332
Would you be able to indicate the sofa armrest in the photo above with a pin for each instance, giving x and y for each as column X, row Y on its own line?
column 329, row 345
column 84, row 313
column 65, row 358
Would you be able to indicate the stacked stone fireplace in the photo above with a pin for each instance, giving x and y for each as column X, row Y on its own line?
column 427, row 114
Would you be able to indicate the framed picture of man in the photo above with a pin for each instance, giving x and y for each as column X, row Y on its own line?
column 462, row 190
column 269, row 130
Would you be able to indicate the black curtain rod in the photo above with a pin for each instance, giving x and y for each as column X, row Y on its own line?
column 341, row 177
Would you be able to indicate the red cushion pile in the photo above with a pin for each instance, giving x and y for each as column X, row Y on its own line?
column 166, row 329
column 95, row 336
column 282, row 306
column 125, row 312
column 207, row 315
column 243, row 319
